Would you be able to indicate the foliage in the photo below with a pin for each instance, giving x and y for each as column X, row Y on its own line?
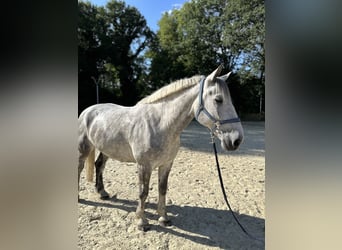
column 112, row 40
column 117, row 46
column 205, row 33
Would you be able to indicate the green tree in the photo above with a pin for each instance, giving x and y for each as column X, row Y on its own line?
column 165, row 53
column 88, row 56
column 201, row 25
column 205, row 33
column 130, row 36
column 112, row 40
column 245, row 35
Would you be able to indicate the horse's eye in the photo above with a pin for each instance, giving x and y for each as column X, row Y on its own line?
column 218, row 99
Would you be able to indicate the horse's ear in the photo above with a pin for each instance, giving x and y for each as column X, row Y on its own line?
column 225, row 77
column 215, row 73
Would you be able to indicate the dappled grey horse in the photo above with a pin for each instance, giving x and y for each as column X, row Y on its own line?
column 149, row 132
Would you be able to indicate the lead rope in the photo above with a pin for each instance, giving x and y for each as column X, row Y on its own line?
column 225, row 195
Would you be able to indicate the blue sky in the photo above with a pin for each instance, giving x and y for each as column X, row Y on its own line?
column 151, row 9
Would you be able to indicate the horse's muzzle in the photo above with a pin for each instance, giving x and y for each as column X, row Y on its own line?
column 231, row 141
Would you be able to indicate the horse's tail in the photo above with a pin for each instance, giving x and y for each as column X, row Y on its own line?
column 90, row 165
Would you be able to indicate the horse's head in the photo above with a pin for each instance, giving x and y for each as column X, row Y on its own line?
column 214, row 109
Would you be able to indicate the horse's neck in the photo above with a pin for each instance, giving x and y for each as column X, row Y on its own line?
column 180, row 110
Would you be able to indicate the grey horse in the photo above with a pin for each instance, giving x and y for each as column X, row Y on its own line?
column 149, row 132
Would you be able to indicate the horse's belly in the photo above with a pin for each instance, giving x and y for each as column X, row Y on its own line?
column 158, row 155
column 122, row 152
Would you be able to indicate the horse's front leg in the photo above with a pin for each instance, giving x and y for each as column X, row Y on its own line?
column 144, row 173
column 163, row 175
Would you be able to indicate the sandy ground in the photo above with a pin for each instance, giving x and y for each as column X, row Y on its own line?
column 195, row 203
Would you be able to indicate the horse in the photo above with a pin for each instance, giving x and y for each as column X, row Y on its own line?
column 149, row 132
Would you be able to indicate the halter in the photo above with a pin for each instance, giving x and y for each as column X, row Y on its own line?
column 201, row 108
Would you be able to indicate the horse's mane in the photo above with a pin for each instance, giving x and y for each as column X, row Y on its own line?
column 171, row 89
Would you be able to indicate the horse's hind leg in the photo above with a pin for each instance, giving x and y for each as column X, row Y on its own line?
column 80, row 168
column 163, row 175
column 100, row 165
column 144, row 173
column 83, row 152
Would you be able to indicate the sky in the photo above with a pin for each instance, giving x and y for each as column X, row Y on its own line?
column 152, row 10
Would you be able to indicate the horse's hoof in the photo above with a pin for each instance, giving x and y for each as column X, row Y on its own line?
column 164, row 223
column 104, row 195
column 144, row 228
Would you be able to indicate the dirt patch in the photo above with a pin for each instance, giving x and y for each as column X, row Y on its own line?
column 194, row 200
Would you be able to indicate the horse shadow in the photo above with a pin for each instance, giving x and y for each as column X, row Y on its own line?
column 205, row 226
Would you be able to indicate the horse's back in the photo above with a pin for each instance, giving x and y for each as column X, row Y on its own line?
column 103, row 111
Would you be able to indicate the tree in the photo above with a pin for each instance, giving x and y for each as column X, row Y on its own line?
column 116, row 45
column 129, row 36
column 88, row 55
column 245, row 35
column 112, row 40
column 192, row 36
column 205, row 33
column 201, row 24
column 164, row 54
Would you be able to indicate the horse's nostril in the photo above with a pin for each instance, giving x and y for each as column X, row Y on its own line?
column 237, row 143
